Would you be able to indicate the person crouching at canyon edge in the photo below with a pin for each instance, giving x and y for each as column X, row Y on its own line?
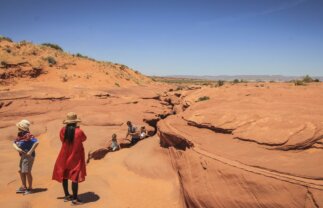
column 133, row 132
column 25, row 144
column 70, row 163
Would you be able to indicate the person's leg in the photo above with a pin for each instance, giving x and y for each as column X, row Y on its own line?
column 65, row 187
column 23, row 179
column 30, row 180
column 75, row 187
column 21, row 174
column 28, row 164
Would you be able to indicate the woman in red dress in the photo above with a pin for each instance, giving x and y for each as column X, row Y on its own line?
column 70, row 163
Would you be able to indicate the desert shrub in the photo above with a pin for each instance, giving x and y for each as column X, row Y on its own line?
column 54, row 46
column 117, row 84
column 307, row 79
column 220, row 83
column 299, row 83
column 123, row 67
column 5, row 38
column 64, row 78
column 203, row 98
column 236, row 81
column 51, row 60
column 179, row 88
column 3, row 63
column 272, row 81
column 81, row 56
column 304, row 80
column 23, row 42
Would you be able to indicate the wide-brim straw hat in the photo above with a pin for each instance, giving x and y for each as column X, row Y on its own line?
column 71, row 117
column 23, row 125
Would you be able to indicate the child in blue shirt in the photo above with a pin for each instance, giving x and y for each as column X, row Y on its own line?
column 25, row 144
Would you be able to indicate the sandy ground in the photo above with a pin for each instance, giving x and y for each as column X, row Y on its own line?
column 205, row 154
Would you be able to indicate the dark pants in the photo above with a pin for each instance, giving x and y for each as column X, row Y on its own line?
column 75, row 187
column 134, row 140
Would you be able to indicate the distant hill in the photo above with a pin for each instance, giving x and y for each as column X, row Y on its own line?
column 278, row 78
column 50, row 64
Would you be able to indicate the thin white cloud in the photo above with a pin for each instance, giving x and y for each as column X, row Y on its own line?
column 282, row 7
column 233, row 18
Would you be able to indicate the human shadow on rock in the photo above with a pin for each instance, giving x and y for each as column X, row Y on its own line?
column 89, row 197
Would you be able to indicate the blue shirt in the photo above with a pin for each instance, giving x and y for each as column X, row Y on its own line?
column 27, row 145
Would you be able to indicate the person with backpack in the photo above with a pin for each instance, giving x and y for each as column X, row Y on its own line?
column 70, row 163
column 25, row 144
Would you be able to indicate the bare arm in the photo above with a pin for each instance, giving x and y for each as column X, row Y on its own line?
column 32, row 148
column 18, row 149
column 127, row 135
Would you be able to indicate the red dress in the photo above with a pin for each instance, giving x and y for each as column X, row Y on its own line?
column 70, row 163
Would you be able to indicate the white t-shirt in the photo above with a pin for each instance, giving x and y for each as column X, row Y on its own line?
column 114, row 145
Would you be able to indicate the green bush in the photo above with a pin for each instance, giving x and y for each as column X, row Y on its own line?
column 236, row 81
column 54, row 46
column 51, row 60
column 5, row 38
column 203, row 98
column 81, row 56
column 220, row 83
column 307, row 79
column 3, row 64
column 85, row 57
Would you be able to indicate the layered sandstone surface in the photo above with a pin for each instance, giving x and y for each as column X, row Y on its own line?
column 248, row 145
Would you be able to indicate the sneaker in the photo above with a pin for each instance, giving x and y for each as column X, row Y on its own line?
column 28, row 191
column 76, row 202
column 68, row 198
column 21, row 190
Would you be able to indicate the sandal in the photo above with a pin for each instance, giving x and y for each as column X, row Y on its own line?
column 68, row 198
column 76, row 202
column 21, row 190
column 28, row 191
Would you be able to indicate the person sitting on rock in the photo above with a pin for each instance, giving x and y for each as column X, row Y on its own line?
column 143, row 132
column 114, row 144
column 133, row 132
column 25, row 144
column 100, row 153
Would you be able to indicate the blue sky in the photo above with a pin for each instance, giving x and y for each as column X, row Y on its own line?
column 227, row 37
